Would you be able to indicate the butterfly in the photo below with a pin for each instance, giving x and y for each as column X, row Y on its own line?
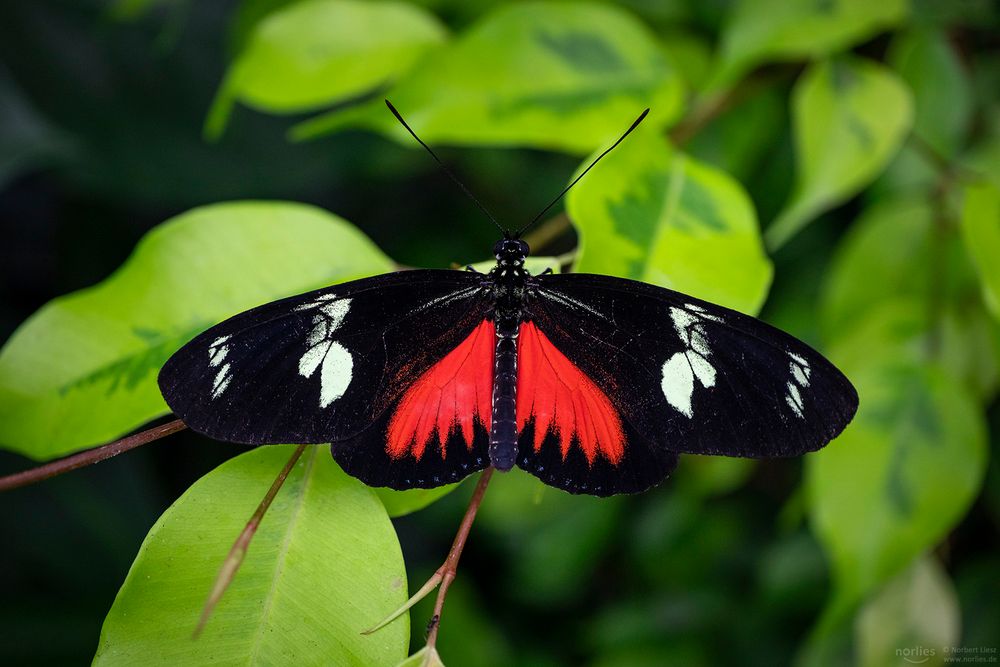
column 593, row 384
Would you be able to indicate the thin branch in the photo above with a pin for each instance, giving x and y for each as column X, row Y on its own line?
column 446, row 573
column 547, row 232
column 705, row 110
column 239, row 548
column 450, row 567
column 89, row 457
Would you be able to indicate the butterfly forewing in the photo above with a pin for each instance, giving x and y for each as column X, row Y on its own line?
column 322, row 366
column 682, row 375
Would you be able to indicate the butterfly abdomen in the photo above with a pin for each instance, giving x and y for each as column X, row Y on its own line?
column 503, row 429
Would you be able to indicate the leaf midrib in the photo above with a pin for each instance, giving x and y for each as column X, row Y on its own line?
column 282, row 554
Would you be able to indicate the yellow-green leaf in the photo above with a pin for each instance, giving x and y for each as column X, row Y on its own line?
column 901, row 475
column 981, row 230
column 850, row 117
column 315, row 53
column 651, row 213
column 82, row 370
column 561, row 75
column 759, row 31
column 324, row 565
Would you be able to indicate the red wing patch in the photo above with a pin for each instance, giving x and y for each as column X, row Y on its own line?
column 448, row 397
column 563, row 400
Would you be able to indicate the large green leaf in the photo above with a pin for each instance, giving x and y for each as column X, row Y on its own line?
column 942, row 91
column 901, row 287
column 914, row 617
column 850, row 117
column 82, row 370
column 324, row 565
column 318, row 52
column 654, row 214
column 981, row 230
column 561, row 75
column 965, row 341
column 779, row 30
column 902, row 474
column 886, row 252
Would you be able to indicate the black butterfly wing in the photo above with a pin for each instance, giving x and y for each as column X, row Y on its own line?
column 321, row 366
column 685, row 376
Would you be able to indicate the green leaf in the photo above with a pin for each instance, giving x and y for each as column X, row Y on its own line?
column 914, row 617
column 401, row 503
column 324, row 565
column 965, row 341
column 920, row 299
column 863, row 272
column 850, row 117
column 319, row 52
column 566, row 76
column 651, row 213
column 82, row 370
column 897, row 480
column 981, row 231
column 942, row 90
column 759, row 31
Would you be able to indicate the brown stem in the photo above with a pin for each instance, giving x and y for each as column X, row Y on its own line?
column 450, row 567
column 89, row 457
column 446, row 573
column 710, row 107
column 547, row 232
column 239, row 549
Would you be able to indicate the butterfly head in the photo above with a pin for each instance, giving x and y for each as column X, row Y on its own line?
column 510, row 252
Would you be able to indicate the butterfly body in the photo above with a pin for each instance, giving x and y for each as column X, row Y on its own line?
column 509, row 281
column 593, row 384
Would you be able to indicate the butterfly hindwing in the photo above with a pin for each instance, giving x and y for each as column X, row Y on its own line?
column 572, row 434
column 683, row 375
column 321, row 366
column 437, row 430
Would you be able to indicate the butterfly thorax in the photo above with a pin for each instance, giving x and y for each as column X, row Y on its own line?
column 508, row 279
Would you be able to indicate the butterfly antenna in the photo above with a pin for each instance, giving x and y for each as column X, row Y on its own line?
column 545, row 210
column 446, row 170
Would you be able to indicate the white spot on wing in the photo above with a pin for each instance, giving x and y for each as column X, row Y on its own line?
column 218, row 355
column 682, row 370
column 678, row 383
column 217, row 351
column 336, row 375
column 332, row 359
column 221, row 381
column 313, row 357
column 703, row 370
column 800, row 372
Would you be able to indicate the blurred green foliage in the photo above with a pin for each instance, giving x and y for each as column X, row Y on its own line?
column 832, row 165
